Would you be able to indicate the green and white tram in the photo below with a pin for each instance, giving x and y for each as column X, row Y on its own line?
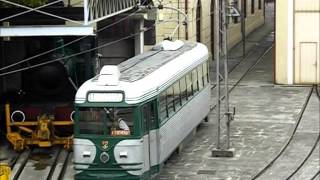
column 131, row 117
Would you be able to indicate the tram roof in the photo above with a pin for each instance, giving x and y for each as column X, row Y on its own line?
column 147, row 74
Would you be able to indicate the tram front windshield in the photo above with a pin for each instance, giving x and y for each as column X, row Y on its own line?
column 112, row 121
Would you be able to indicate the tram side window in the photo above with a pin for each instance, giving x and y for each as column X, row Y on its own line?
column 183, row 89
column 153, row 122
column 170, row 101
column 91, row 120
column 189, row 86
column 200, row 77
column 195, row 81
column 205, row 73
column 145, row 118
column 177, row 100
column 149, row 119
column 163, row 106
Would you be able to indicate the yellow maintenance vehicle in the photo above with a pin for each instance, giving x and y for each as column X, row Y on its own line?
column 5, row 171
column 41, row 131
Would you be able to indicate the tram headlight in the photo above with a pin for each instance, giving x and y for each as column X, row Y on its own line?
column 104, row 157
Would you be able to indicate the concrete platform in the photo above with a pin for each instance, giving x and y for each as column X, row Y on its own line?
column 266, row 115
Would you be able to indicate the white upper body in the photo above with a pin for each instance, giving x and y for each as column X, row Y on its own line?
column 135, row 78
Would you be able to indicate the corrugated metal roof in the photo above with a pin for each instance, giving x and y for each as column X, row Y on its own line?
column 140, row 66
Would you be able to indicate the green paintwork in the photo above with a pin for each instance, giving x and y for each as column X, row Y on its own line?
column 112, row 170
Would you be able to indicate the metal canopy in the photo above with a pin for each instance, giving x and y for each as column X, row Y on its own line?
column 97, row 10
column 93, row 10
column 24, row 31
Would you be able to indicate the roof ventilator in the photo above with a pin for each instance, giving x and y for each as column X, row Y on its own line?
column 167, row 45
column 109, row 76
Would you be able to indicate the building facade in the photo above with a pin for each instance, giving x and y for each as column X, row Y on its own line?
column 201, row 20
column 297, row 55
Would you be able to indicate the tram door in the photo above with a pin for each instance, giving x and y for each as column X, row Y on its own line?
column 146, row 116
column 149, row 124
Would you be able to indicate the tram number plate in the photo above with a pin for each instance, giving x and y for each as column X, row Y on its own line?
column 120, row 133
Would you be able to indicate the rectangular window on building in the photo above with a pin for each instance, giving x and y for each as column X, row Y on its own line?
column 260, row 4
column 235, row 19
column 245, row 8
column 252, row 6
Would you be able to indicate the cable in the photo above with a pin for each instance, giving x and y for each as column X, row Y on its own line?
column 76, row 40
column 71, row 42
column 76, row 54
column 30, row 10
column 42, row 12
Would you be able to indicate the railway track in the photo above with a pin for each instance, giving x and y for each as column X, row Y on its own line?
column 316, row 176
column 312, row 149
column 290, row 141
column 19, row 162
column 37, row 163
column 251, row 67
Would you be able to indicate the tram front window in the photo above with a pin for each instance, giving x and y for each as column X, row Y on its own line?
column 119, row 121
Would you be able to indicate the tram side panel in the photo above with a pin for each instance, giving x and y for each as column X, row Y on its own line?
column 175, row 130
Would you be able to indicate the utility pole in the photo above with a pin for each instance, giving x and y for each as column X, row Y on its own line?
column 243, row 28
column 222, row 51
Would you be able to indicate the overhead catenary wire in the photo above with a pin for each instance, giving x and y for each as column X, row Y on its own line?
column 69, row 43
column 76, row 40
column 42, row 12
column 30, row 10
column 75, row 54
column 284, row 147
column 79, row 53
column 83, row 37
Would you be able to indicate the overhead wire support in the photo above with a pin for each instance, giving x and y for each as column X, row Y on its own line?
column 30, row 10
column 79, row 53
column 69, row 43
column 185, row 22
column 42, row 12
column 221, row 10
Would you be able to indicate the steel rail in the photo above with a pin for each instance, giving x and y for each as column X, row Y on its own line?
column 64, row 167
column 316, row 175
column 23, row 164
column 245, row 73
column 306, row 158
column 54, row 165
column 264, row 169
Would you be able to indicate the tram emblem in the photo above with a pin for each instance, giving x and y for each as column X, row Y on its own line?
column 105, row 144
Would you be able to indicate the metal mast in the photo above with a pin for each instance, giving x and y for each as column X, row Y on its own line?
column 221, row 50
